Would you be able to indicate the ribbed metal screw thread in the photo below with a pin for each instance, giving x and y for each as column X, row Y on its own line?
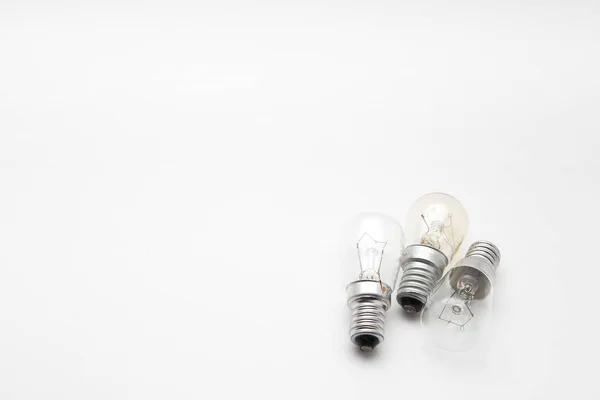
column 422, row 267
column 368, row 321
column 486, row 250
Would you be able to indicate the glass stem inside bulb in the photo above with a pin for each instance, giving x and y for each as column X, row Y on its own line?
column 433, row 235
column 370, row 255
column 467, row 285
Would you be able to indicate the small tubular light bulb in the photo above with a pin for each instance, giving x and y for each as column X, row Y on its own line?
column 460, row 306
column 436, row 225
column 371, row 247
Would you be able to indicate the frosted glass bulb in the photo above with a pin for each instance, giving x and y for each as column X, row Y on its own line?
column 436, row 226
column 460, row 306
column 371, row 246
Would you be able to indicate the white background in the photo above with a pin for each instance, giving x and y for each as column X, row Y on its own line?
column 173, row 177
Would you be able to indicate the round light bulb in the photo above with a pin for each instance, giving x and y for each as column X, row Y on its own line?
column 436, row 226
column 371, row 246
column 460, row 306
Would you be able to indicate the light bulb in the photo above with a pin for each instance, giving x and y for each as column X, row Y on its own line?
column 371, row 247
column 460, row 306
column 436, row 225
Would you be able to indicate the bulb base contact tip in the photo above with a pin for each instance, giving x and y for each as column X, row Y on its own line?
column 411, row 305
column 368, row 301
column 366, row 342
column 422, row 267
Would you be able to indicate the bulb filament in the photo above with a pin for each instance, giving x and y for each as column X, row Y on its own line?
column 436, row 231
column 370, row 256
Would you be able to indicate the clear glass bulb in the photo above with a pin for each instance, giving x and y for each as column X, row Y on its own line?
column 437, row 220
column 460, row 306
column 371, row 246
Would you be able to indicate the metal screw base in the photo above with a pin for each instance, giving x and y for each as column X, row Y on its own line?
column 486, row 250
column 422, row 267
column 476, row 273
column 369, row 301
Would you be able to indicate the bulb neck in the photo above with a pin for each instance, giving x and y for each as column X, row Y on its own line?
column 368, row 301
column 422, row 267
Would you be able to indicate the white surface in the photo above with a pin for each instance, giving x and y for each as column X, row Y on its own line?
column 174, row 176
